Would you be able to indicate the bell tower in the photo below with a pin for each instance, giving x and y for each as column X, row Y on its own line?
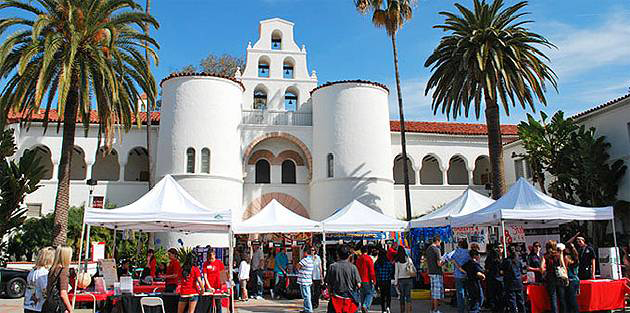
column 276, row 75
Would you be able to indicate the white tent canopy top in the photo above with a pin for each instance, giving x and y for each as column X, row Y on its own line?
column 523, row 202
column 275, row 218
column 357, row 217
column 468, row 202
column 166, row 208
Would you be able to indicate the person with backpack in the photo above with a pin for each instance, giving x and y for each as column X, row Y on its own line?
column 404, row 272
column 512, row 271
column 37, row 280
column 384, row 270
column 57, row 300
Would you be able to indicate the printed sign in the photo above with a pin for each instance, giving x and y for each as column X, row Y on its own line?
column 514, row 233
column 256, row 243
column 108, row 269
column 98, row 202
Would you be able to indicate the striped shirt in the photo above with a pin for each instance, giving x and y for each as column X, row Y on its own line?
column 305, row 275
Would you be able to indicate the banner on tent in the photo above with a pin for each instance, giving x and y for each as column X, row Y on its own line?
column 514, row 233
column 473, row 234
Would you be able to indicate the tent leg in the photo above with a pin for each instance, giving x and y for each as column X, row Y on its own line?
column 114, row 248
column 617, row 265
column 324, row 252
column 503, row 236
column 231, row 263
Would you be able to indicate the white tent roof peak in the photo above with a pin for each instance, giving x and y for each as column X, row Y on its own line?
column 276, row 218
column 524, row 202
column 356, row 217
column 166, row 207
column 469, row 201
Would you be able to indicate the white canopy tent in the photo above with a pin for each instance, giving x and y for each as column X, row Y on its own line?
column 356, row 217
column 165, row 208
column 275, row 218
column 468, row 202
column 523, row 202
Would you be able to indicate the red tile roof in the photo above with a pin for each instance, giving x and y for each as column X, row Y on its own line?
column 601, row 106
column 351, row 81
column 54, row 117
column 449, row 128
column 412, row 127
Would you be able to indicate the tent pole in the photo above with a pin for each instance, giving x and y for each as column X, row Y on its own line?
column 231, row 264
column 324, row 252
column 114, row 248
column 503, row 235
column 617, row 264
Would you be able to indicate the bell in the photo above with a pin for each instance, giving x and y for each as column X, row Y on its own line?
column 290, row 101
column 287, row 72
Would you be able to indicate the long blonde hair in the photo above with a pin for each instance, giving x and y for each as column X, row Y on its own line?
column 63, row 256
column 45, row 258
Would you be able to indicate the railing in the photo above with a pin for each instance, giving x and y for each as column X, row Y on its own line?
column 259, row 117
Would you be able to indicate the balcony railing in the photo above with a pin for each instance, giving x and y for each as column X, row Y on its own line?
column 259, row 117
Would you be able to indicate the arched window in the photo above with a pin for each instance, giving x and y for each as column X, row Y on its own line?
column 430, row 172
column 457, row 173
column 330, row 165
column 106, row 167
column 190, row 160
column 260, row 99
column 287, row 68
column 78, row 168
column 399, row 178
column 45, row 160
column 263, row 172
column 205, row 160
column 263, row 66
column 137, row 167
column 481, row 174
column 288, row 172
column 276, row 40
column 290, row 99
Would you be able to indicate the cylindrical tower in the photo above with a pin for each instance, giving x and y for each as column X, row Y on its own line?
column 351, row 147
column 199, row 144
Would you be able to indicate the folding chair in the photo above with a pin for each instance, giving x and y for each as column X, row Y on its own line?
column 152, row 301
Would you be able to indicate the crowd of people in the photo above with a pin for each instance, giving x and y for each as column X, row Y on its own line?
column 559, row 268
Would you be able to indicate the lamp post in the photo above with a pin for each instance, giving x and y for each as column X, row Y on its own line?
column 91, row 183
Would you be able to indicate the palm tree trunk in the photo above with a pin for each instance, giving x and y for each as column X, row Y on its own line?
column 495, row 147
column 148, row 104
column 62, row 202
column 403, row 140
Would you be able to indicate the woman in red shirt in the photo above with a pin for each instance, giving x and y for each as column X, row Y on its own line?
column 190, row 286
column 212, row 269
column 151, row 263
column 172, row 271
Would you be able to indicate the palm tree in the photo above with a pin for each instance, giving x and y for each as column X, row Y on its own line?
column 489, row 55
column 391, row 15
column 77, row 51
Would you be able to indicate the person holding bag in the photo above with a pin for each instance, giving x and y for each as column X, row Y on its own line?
column 57, row 300
column 555, row 276
column 37, row 280
column 404, row 272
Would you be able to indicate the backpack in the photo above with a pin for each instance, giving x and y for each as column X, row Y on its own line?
column 53, row 302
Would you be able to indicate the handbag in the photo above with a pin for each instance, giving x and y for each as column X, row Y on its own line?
column 562, row 275
column 53, row 302
column 411, row 269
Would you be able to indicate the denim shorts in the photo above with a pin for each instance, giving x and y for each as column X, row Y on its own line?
column 193, row 298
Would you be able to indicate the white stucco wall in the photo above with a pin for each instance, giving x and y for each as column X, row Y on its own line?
column 351, row 121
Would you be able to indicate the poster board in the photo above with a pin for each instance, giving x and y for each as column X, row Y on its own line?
column 473, row 234
column 109, row 272
column 98, row 251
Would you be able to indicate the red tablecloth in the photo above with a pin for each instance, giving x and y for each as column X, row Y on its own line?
column 91, row 296
column 594, row 296
column 449, row 280
column 155, row 287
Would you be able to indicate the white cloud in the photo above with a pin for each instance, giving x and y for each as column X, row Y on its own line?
column 583, row 49
column 416, row 104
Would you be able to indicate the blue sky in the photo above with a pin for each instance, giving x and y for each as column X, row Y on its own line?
column 592, row 59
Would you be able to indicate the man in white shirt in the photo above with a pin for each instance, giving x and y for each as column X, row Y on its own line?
column 258, row 267
column 317, row 278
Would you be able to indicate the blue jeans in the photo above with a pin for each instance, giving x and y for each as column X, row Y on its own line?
column 556, row 297
column 405, row 285
column 514, row 301
column 476, row 304
column 258, row 280
column 460, row 291
column 571, row 294
column 367, row 295
column 306, row 295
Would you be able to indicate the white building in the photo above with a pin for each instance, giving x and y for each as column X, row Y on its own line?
column 271, row 132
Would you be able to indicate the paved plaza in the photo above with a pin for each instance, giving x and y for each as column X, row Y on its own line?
column 255, row 306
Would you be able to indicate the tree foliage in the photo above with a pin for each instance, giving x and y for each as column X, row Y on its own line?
column 84, row 54
column 17, row 179
column 224, row 65
column 574, row 157
column 489, row 57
